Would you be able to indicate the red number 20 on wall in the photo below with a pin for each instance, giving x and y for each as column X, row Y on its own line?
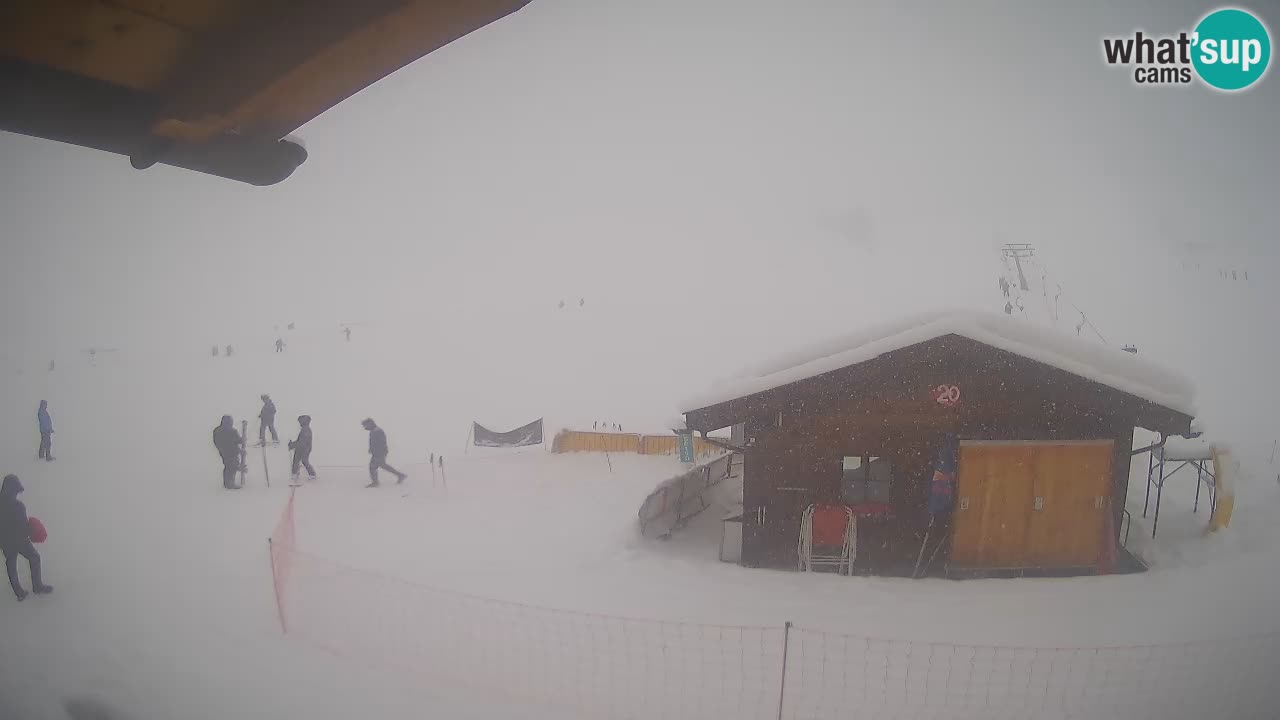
column 947, row 394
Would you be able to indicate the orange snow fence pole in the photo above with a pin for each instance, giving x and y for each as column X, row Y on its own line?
column 280, row 547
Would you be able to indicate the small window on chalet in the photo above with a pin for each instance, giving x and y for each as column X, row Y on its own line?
column 865, row 478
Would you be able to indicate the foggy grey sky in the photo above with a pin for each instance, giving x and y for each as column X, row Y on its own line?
column 796, row 167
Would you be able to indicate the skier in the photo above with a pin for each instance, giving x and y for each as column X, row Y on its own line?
column 15, row 539
column 215, row 351
column 1008, row 308
column 279, row 345
column 228, row 351
column 378, row 450
column 267, row 421
column 46, row 431
column 301, row 448
column 347, row 332
column 228, row 442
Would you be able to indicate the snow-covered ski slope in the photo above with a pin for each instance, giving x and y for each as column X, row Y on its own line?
column 164, row 604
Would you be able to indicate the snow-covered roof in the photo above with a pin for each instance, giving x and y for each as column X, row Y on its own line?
column 1180, row 448
column 1104, row 365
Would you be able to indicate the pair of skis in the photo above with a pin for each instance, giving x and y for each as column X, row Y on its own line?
column 244, row 455
column 244, row 452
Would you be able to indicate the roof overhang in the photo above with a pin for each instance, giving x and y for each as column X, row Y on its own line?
column 209, row 85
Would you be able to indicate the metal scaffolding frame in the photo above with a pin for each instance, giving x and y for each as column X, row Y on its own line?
column 1158, row 461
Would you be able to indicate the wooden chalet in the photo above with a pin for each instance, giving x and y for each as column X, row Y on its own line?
column 1044, row 423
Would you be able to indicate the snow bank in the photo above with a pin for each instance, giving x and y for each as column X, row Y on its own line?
column 1108, row 366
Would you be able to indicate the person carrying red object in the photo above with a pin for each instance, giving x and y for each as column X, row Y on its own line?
column 15, row 538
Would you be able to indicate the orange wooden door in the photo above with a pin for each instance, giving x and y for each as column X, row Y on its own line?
column 1073, row 484
column 1029, row 504
column 993, row 493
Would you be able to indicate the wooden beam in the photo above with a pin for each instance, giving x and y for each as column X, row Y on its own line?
column 290, row 60
column 94, row 40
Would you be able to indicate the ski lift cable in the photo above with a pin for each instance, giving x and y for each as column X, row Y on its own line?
column 1072, row 303
column 1083, row 315
column 1062, row 294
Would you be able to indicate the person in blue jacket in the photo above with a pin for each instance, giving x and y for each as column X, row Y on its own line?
column 46, row 431
column 15, row 539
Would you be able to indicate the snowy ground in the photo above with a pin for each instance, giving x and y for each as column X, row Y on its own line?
column 164, row 604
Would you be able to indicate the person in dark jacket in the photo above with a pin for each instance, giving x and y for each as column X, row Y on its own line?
column 267, row 421
column 228, row 442
column 378, row 452
column 302, row 449
column 46, row 431
column 15, row 538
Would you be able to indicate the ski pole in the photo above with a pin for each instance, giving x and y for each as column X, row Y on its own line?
column 915, row 572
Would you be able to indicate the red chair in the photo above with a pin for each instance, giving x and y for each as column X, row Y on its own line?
column 828, row 538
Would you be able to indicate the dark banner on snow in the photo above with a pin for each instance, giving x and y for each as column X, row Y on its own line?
column 530, row 434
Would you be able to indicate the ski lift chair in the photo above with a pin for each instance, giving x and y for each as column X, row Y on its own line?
column 828, row 538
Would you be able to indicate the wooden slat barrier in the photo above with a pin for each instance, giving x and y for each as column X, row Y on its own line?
column 567, row 441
